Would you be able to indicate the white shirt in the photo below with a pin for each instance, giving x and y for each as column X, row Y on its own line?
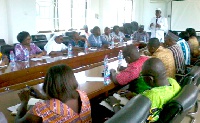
column 159, row 32
column 120, row 35
column 53, row 46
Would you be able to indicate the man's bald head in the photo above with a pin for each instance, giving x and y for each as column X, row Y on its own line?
column 131, row 53
column 153, row 45
column 155, row 68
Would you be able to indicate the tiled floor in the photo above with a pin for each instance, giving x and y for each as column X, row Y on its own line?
column 197, row 116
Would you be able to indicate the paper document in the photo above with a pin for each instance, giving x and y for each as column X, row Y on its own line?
column 31, row 102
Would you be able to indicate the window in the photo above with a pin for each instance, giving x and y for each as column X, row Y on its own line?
column 60, row 14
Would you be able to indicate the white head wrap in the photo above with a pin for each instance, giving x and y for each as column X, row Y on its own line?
column 52, row 39
column 158, row 9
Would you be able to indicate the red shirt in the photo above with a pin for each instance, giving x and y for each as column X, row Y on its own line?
column 131, row 72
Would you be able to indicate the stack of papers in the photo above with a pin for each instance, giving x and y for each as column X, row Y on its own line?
column 38, row 59
column 31, row 102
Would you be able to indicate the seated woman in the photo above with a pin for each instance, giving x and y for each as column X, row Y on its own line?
column 77, row 41
column 25, row 43
column 64, row 103
column 55, row 45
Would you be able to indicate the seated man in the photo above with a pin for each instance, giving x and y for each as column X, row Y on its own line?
column 141, row 35
column 117, row 34
column 55, row 45
column 162, row 88
column 182, row 42
column 77, row 41
column 107, row 35
column 170, row 43
column 135, row 62
column 165, row 55
column 95, row 39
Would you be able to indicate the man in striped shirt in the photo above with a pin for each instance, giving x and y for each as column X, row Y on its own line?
column 183, row 37
column 170, row 43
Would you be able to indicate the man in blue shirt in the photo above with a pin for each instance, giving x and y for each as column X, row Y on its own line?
column 77, row 41
column 95, row 39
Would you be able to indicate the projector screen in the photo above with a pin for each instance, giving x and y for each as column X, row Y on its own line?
column 185, row 14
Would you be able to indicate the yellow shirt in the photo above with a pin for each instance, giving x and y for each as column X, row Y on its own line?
column 166, row 56
column 0, row 55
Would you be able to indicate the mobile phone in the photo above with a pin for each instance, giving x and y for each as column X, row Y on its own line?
column 31, row 90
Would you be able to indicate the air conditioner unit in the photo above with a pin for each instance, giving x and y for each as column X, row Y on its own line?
column 157, row 1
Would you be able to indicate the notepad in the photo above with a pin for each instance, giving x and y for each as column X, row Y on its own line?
column 31, row 102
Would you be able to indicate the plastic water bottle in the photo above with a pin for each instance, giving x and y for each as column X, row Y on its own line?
column 131, row 37
column 26, row 55
column 120, row 58
column 145, row 39
column 112, row 43
column 12, row 60
column 121, row 41
column 12, row 56
column 106, row 71
column 70, row 50
column 86, row 47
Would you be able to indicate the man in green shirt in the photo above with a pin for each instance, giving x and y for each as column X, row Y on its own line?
column 162, row 88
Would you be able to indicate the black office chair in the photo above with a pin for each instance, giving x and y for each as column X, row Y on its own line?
column 5, row 49
column 176, row 109
column 40, row 44
column 135, row 111
column 2, row 42
column 38, row 38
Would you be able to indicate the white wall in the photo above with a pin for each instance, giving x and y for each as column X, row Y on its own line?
column 146, row 10
column 3, row 21
column 21, row 17
column 17, row 16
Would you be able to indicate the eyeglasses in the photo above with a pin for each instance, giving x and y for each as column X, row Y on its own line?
column 147, row 77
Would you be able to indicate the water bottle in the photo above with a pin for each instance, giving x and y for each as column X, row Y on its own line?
column 144, row 39
column 121, row 40
column 131, row 37
column 12, row 56
column 112, row 43
column 106, row 71
column 70, row 50
column 86, row 47
column 12, row 60
column 26, row 55
column 120, row 58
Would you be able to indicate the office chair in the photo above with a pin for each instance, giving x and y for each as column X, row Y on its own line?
column 2, row 42
column 40, row 44
column 135, row 111
column 38, row 38
column 176, row 109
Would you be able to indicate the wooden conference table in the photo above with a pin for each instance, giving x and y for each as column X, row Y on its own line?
column 32, row 73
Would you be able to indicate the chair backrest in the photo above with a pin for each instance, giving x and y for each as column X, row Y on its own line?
column 40, row 44
column 176, row 109
column 39, row 38
column 2, row 42
column 5, row 49
column 135, row 111
column 191, row 77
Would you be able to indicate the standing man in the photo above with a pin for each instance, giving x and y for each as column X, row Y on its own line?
column 158, row 26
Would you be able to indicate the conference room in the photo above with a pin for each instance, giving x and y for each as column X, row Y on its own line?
column 96, row 67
